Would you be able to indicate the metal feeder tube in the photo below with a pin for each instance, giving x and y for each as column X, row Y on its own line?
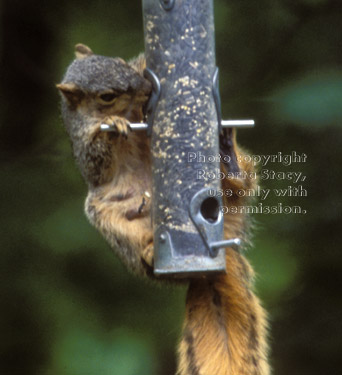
column 180, row 54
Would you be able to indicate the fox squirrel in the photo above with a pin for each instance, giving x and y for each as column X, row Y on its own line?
column 224, row 331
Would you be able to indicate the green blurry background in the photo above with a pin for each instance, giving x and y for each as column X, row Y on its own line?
column 67, row 305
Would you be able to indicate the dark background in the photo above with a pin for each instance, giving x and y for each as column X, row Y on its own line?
column 67, row 305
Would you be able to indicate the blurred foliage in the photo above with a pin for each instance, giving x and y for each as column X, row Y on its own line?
column 67, row 305
column 314, row 100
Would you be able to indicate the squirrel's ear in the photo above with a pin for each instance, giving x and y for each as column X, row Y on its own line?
column 82, row 51
column 139, row 63
column 72, row 93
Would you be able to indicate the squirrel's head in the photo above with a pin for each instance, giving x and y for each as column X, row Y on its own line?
column 106, row 84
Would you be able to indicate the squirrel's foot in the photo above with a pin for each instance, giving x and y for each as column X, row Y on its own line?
column 117, row 125
column 147, row 254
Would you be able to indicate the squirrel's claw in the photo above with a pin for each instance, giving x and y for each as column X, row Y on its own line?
column 116, row 124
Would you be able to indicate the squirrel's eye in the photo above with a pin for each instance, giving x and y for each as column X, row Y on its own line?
column 109, row 97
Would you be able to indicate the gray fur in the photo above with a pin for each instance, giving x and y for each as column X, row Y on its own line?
column 97, row 73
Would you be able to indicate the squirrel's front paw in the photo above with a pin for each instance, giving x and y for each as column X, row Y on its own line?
column 145, row 205
column 116, row 125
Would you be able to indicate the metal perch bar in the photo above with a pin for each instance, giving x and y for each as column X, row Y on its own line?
column 225, row 124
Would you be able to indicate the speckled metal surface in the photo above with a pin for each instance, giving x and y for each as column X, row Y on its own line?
column 180, row 50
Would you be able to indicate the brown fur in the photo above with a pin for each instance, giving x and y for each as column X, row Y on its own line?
column 224, row 330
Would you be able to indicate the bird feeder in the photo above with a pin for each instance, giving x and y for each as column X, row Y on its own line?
column 184, row 123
